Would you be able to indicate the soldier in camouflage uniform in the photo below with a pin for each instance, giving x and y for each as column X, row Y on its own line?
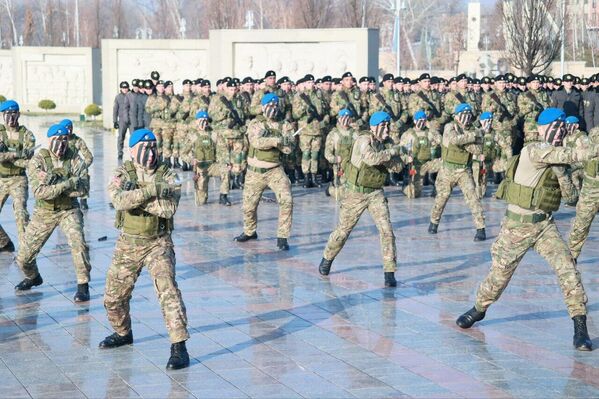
column 574, row 139
column 228, row 117
column 530, row 104
column 483, row 163
column 145, row 194
column 58, row 177
column 200, row 152
column 269, row 138
column 419, row 142
column 78, row 145
column 389, row 100
column 588, row 201
column 532, row 191
column 458, row 96
column 179, row 108
column 246, row 91
column 170, row 142
column 461, row 141
column 308, row 111
column 269, row 86
column 370, row 158
column 337, row 148
column 505, row 111
column 157, row 107
column 348, row 97
column 16, row 149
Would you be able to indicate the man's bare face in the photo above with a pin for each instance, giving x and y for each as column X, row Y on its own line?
column 425, row 84
column 347, row 82
column 326, row 86
column 270, row 81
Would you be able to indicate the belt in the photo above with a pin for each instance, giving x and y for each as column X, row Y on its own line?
column 140, row 240
column 533, row 218
column 260, row 170
column 451, row 165
column 360, row 189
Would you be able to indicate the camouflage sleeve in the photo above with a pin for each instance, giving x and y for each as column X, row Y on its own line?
column 461, row 139
column 525, row 106
column 125, row 200
column 298, row 108
column 547, row 154
column 150, row 105
column 329, row 147
column 371, row 157
column 256, row 137
column 79, row 169
column 86, row 154
column 567, row 188
column 255, row 108
column 165, row 207
column 38, row 179
column 435, row 137
column 217, row 111
column 27, row 153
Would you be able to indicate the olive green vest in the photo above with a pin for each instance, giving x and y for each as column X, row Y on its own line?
column 7, row 168
column 423, row 149
column 63, row 202
column 591, row 168
column 137, row 221
column 205, row 151
column 372, row 177
column 489, row 148
column 272, row 155
column 455, row 155
column 344, row 146
column 545, row 196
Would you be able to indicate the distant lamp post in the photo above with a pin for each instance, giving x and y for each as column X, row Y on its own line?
column 399, row 6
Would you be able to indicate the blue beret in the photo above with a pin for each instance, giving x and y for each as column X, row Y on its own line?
column 66, row 123
column 345, row 112
column 202, row 114
column 270, row 97
column 9, row 105
column 57, row 130
column 572, row 119
column 551, row 115
column 141, row 135
column 420, row 114
column 485, row 116
column 463, row 107
column 379, row 117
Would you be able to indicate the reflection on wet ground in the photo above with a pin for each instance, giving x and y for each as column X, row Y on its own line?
column 264, row 324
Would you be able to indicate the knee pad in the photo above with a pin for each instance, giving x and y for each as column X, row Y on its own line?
column 306, row 155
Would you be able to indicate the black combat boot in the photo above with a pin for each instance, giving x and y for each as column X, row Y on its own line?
column 243, row 238
column 581, row 340
column 115, row 340
column 325, row 267
column 327, row 175
column 309, row 181
column 9, row 247
column 432, row 228
column 282, row 244
column 83, row 204
column 497, row 177
column 28, row 283
column 327, row 191
column 393, row 179
column 179, row 357
column 468, row 319
column 185, row 167
column 176, row 163
column 480, row 235
column 291, row 174
column 82, row 294
column 224, row 200
column 390, row 279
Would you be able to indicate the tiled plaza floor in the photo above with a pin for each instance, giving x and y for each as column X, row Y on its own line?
column 264, row 324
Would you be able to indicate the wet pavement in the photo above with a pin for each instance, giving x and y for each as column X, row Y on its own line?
column 264, row 324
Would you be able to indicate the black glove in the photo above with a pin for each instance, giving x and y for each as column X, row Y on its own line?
column 116, row 125
column 3, row 147
column 127, row 185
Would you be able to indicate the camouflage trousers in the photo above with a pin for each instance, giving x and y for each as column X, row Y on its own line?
column 203, row 178
column 514, row 240
column 40, row 228
column 447, row 179
column 432, row 166
column 586, row 209
column 337, row 188
column 168, row 133
column 577, row 175
column 350, row 211
column 480, row 175
column 181, row 134
column 15, row 187
column 255, row 184
column 236, row 154
column 158, row 127
column 130, row 256
column 310, row 147
column 413, row 185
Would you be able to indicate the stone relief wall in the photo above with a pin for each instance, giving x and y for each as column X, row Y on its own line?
column 294, row 59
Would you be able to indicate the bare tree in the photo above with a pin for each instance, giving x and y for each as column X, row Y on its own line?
column 28, row 27
column 8, row 6
column 532, row 30
column 313, row 14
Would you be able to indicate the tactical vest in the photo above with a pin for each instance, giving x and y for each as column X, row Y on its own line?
column 205, row 151
column 545, row 196
column 136, row 221
column 423, row 152
column 489, row 148
column 344, row 145
column 591, row 168
column 63, row 202
column 455, row 155
column 272, row 155
column 8, row 168
column 372, row 177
